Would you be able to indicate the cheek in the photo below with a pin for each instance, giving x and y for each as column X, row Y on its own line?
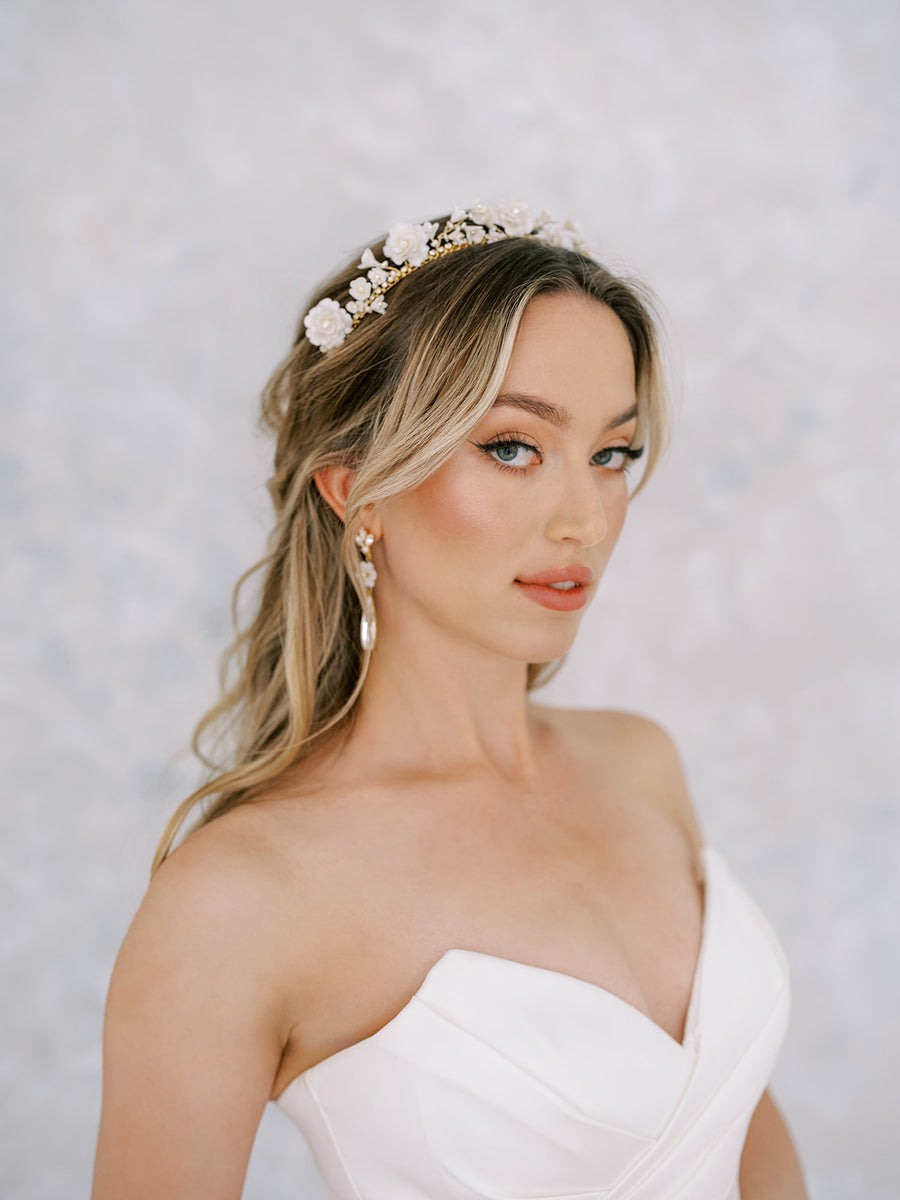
column 462, row 505
column 616, row 508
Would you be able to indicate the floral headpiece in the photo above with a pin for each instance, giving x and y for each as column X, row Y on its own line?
column 409, row 246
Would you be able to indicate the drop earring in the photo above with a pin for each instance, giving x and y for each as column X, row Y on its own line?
column 367, row 628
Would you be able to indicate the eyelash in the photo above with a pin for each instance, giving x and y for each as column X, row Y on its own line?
column 629, row 453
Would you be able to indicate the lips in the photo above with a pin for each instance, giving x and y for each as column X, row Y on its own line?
column 540, row 589
column 579, row 575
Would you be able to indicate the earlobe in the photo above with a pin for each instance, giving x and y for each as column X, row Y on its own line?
column 334, row 484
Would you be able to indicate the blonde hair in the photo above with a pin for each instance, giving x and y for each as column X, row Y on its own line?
column 392, row 402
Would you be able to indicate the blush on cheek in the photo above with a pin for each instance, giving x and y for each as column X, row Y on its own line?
column 457, row 506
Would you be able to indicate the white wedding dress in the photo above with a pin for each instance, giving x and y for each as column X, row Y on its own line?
column 504, row 1081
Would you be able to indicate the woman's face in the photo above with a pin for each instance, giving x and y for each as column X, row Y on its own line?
column 536, row 496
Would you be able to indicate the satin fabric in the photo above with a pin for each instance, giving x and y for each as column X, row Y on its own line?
column 504, row 1081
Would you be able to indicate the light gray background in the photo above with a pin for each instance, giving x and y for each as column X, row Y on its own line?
column 177, row 175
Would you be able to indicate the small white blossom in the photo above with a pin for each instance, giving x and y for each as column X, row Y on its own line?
column 474, row 234
column 378, row 305
column 369, row 574
column 368, row 260
column 360, row 289
column 578, row 242
column 457, row 237
column 458, row 214
column 327, row 324
column 407, row 244
column 378, row 276
column 481, row 214
column 557, row 235
column 514, row 217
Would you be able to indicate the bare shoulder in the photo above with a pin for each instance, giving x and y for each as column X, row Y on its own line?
column 209, row 925
column 634, row 753
column 217, row 888
column 197, row 1017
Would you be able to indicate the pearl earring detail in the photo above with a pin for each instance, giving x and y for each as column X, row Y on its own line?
column 367, row 628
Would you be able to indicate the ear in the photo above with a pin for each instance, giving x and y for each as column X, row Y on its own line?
column 334, row 484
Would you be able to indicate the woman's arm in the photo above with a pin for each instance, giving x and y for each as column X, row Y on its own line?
column 770, row 1169
column 193, row 1031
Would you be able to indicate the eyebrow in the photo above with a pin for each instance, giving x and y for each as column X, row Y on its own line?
column 560, row 417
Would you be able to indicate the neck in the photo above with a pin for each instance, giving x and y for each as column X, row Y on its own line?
column 432, row 706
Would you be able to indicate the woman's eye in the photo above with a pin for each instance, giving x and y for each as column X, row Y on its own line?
column 615, row 458
column 512, row 454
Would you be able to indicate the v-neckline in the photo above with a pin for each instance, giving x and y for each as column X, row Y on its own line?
column 685, row 1045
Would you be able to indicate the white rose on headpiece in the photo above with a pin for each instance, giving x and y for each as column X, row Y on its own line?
column 360, row 289
column 407, row 244
column 481, row 214
column 327, row 324
column 557, row 235
column 515, row 217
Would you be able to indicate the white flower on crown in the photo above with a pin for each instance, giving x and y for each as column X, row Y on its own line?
column 515, row 217
column 481, row 214
column 360, row 289
column 560, row 235
column 407, row 243
column 327, row 324
column 378, row 276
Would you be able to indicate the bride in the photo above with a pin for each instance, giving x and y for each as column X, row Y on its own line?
column 473, row 946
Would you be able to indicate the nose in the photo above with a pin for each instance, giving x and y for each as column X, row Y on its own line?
column 578, row 513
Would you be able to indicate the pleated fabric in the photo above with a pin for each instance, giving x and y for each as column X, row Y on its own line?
column 504, row 1081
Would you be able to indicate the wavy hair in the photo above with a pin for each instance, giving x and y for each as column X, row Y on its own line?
column 401, row 392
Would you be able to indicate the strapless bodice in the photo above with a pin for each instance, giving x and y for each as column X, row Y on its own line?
column 503, row 1081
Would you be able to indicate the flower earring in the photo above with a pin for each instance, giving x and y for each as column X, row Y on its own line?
column 367, row 629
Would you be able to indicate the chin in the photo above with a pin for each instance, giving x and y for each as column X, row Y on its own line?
column 547, row 649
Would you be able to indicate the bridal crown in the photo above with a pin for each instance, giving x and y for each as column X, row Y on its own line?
column 408, row 246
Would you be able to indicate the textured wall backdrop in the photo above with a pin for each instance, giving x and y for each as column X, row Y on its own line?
column 178, row 174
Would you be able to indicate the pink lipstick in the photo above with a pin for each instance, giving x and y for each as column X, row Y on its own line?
column 563, row 589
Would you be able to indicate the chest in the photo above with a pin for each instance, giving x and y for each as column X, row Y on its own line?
column 607, row 895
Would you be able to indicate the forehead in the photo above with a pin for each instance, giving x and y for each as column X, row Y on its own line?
column 569, row 346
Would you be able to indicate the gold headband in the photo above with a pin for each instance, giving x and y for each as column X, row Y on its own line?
column 409, row 246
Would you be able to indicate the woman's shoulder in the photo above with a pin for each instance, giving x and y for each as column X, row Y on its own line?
column 230, row 862
column 634, row 754
column 217, row 909
column 213, row 881
column 201, row 1003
